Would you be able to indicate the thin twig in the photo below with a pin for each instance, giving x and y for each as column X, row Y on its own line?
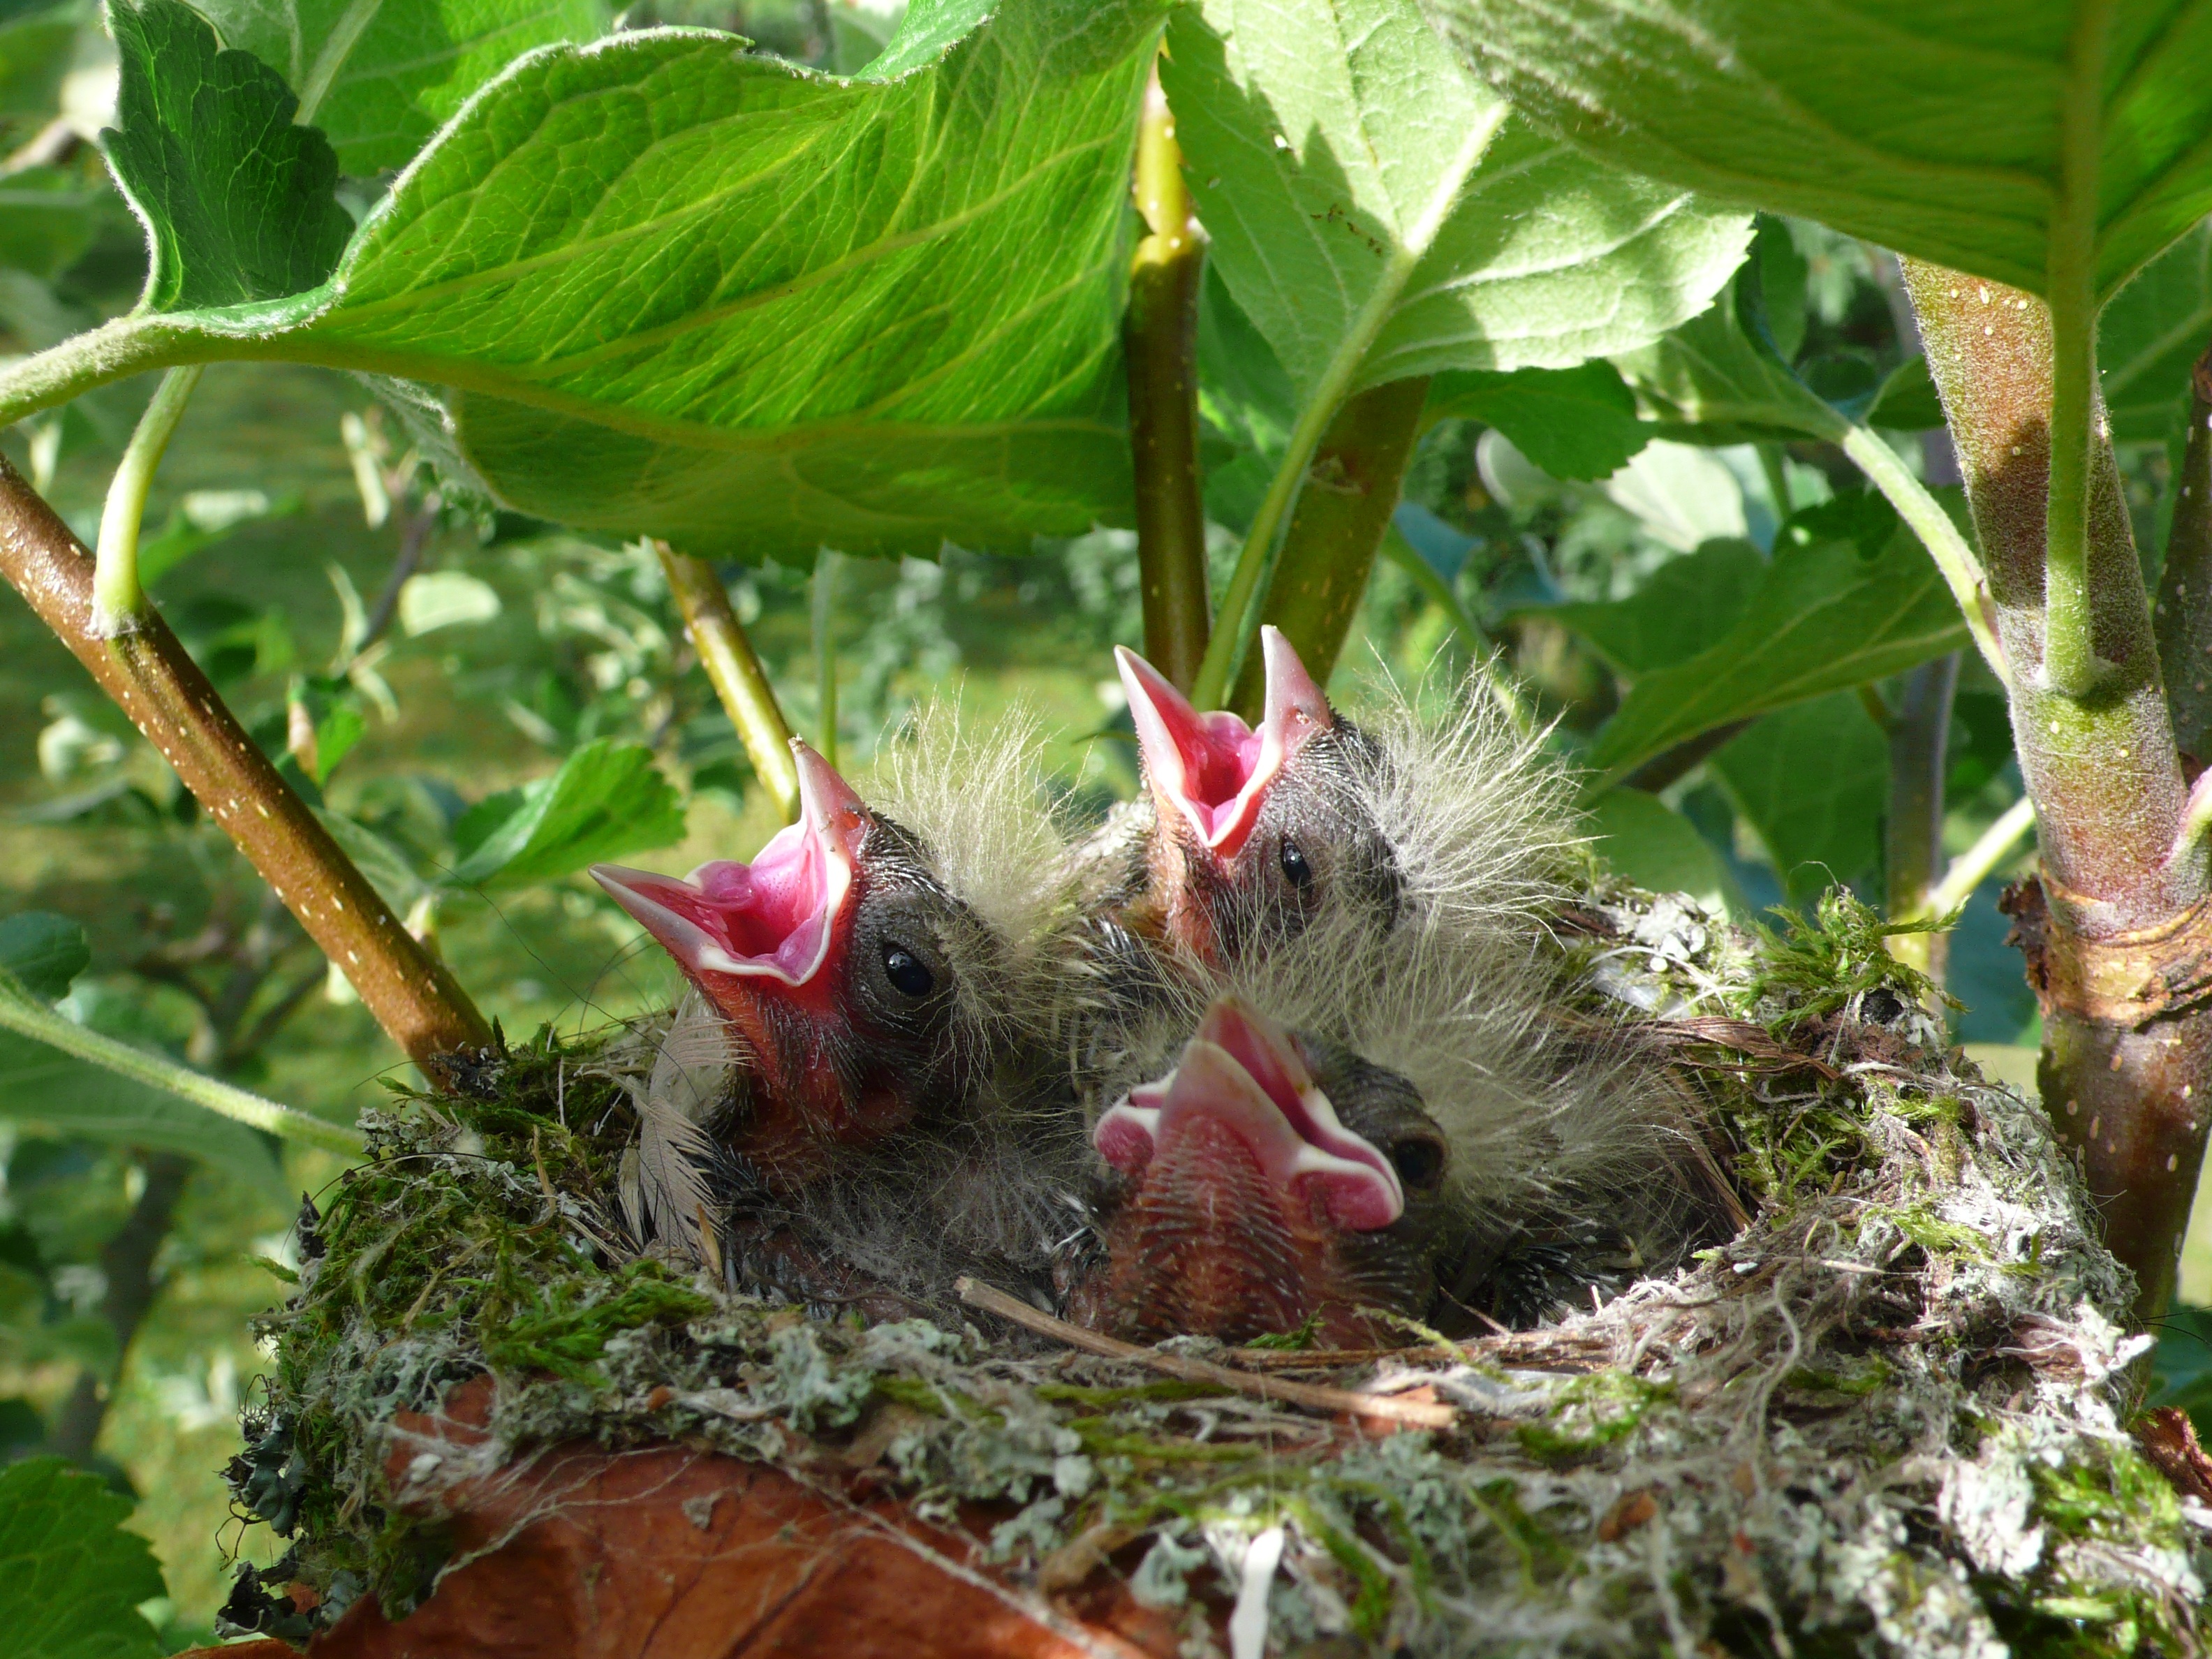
column 1418, row 1413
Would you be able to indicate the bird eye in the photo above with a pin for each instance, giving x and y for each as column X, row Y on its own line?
column 907, row 973
column 1420, row 1161
column 1296, row 870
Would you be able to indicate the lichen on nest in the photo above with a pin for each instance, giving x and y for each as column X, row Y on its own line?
column 1888, row 1416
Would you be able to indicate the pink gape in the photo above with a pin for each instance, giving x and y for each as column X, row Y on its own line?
column 775, row 917
column 1213, row 768
column 1241, row 1073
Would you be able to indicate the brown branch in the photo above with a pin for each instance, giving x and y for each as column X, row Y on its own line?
column 1418, row 1412
column 155, row 682
column 1342, row 514
column 1160, row 346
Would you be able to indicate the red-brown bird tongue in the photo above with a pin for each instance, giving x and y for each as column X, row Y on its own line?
column 775, row 921
column 1242, row 1091
column 1213, row 768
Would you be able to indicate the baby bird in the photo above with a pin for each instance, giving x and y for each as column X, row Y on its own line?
column 1268, row 1182
column 859, row 987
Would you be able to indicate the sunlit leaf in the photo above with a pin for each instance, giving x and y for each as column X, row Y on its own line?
column 607, row 799
column 379, row 79
column 445, row 599
column 1323, row 140
column 1938, row 131
column 237, row 199
column 70, row 1577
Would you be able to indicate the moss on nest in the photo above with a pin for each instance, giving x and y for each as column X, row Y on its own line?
column 1886, row 1416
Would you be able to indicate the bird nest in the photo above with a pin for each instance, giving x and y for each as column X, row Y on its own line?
column 1887, row 1415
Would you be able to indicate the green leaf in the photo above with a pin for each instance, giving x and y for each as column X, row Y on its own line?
column 379, row 76
column 43, row 952
column 1326, row 143
column 2151, row 336
column 1646, row 842
column 688, row 292
column 1937, row 130
column 1825, row 618
column 70, row 1577
column 445, row 599
column 1574, row 422
column 1722, row 372
column 237, row 200
column 605, row 800
column 1685, row 606
column 1813, row 782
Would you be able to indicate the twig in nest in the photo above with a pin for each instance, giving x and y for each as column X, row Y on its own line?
column 1415, row 1413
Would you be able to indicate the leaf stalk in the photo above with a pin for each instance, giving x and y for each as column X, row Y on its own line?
column 20, row 1015
column 117, row 598
column 1160, row 348
column 736, row 674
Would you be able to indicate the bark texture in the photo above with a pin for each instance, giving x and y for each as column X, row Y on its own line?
column 155, row 682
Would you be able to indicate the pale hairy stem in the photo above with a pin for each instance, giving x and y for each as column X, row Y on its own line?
column 154, row 681
column 160, row 1071
column 1237, row 621
column 1961, row 571
column 736, row 673
column 117, row 598
column 2118, row 926
column 1160, row 335
column 2182, row 616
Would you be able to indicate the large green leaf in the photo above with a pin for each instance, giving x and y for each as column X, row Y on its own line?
column 237, row 199
column 1826, row 617
column 1574, row 422
column 2150, row 337
column 379, row 76
column 1813, row 781
column 1330, row 141
column 692, row 293
column 1940, row 131
column 1685, row 606
column 606, row 799
column 70, row 1577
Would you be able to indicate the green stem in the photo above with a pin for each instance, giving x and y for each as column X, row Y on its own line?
column 1974, row 866
column 1160, row 347
column 113, row 351
column 825, row 652
column 2182, row 617
column 1240, row 606
column 116, row 598
column 158, row 1071
column 1961, row 570
column 736, row 674
column 1778, row 479
column 1328, row 551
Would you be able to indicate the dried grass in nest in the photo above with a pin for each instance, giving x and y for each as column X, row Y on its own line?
column 1889, row 1416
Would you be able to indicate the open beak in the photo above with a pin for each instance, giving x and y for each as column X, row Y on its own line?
column 774, row 918
column 1243, row 1073
column 1213, row 768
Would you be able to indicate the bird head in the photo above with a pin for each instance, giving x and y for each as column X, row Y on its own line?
column 833, row 956
column 1269, row 1179
column 1256, row 829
